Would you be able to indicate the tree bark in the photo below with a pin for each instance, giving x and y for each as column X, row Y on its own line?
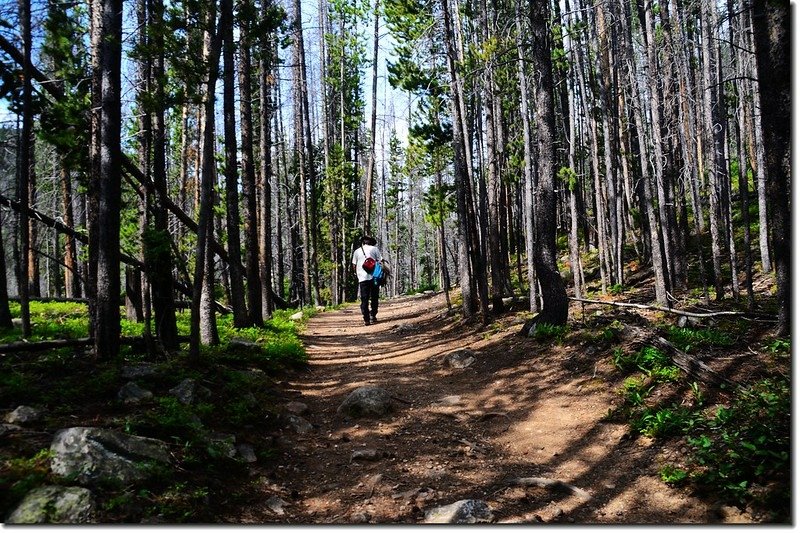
column 107, row 320
column 211, row 49
column 771, row 29
column 258, row 288
column 25, row 163
column 555, row 308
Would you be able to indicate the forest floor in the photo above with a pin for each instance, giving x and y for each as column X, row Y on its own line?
column 525, row 408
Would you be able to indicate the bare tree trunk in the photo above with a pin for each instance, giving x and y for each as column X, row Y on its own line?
column 259, row 295
column 106, row 336
column 211, row 49
column 238, row 303
column 373, row 120
column 5, row 313
column 528, row 211
column 161, row 261
column 555, row 307
column 265, row 185
column 771, row 28
column 25, row 163
column 71, row 279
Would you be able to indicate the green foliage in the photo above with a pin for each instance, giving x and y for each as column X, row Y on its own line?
column 18, row 476
column 663, row 422
column 568, row 176
column 780, row 346
column 688, row 339
column 180, row 502
column 673, row 475
column 549, row 332
column 636, row 390
column 648, row 360
column 617, row 289
column 747, row 443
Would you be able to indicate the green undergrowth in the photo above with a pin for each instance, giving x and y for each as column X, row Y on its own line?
column 234, row 404
column 737, row 449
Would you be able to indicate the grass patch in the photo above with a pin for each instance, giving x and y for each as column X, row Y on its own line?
column 690, row 339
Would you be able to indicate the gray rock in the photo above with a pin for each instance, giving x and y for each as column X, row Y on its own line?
column 276, row 505
column 23, row 415
column 54, row 505
column 460, row 512
column 137, row 371
column 94, row 454
column 299, row 424
column 367, row 454
column 238, row 342
column 8, row 428
column 188, row 391
column 367, row 402
column 133, row 393
column 247, row 453
column 16, row 322
column 460, row 358
column 447, row 401
column 297, row 408
column 221, row 444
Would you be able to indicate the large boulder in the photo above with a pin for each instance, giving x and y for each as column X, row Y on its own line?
column 54, row 505
column 367, row 402
column 94, row 454
column 460, row 512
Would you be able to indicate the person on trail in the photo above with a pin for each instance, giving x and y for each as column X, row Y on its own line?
column 367, row 288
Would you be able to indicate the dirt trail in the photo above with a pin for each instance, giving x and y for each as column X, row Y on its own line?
column 523, row 409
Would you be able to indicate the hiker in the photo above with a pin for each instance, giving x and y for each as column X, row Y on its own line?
column 367, row 288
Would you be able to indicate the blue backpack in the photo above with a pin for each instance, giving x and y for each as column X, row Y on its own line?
column 378, row 275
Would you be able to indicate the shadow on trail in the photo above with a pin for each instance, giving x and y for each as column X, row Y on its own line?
column 525, row 408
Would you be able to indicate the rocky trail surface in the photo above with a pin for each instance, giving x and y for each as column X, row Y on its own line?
column 509, row 429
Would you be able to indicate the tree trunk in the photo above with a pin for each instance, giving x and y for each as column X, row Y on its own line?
column 266, row 178
column 107, row 332
column 211, row 48
column 25, row 162
column 259, row 294
column 238, row 303
column 555, row 308
column 161, row 261
column 771, row 29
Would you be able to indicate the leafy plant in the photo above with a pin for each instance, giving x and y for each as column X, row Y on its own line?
column 673, row 475
column 545, row 331
column 688, row 339
column 747, row 442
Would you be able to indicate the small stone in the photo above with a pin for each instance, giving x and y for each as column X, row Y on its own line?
column 360, row 518
column 131, row 393
column 247, row 453
column 367, row 454
column 299, row 424
column 276, row 505
column 297, row 408
column 460, row 358
column 137, row 371
column 448, row 401
column 239, row 343
column 460, row 512
column 187, row 391
column 8, row 428
column 297, row 316
column 23, row 415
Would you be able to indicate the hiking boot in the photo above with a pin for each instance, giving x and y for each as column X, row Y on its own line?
column 366, row 322
column 374, row 319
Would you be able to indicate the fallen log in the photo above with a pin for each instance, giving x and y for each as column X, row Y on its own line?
column 38, row 346
column 692, row 314
column 686, row 362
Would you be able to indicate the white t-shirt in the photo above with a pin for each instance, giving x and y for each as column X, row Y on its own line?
column 359, row 255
